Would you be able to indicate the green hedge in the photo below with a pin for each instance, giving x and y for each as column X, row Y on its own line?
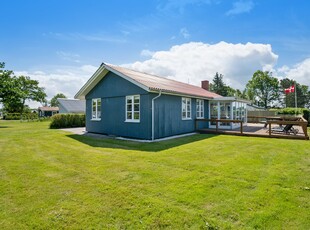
column 300, row 111
column 11, row 116
column 67, row 121
column 30, row 116
column 17, row 116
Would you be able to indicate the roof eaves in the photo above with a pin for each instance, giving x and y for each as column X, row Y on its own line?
column 95, row 78
column 174, row 93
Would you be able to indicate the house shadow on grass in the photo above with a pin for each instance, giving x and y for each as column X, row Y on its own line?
column 140, row 146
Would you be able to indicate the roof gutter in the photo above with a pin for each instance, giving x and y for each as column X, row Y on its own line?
column 153, row 114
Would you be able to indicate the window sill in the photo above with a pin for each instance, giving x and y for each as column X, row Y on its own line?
column 186, row 119
column 132, row 121
column 94, row 119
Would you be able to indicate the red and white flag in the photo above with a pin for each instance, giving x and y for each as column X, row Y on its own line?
column 290, row 90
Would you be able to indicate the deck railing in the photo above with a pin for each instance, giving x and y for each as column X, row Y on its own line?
column 300, row 122
column 269, row 122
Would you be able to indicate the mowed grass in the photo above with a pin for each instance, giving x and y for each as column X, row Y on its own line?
column 51, row 179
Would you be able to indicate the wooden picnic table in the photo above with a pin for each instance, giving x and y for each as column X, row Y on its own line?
column 273, row 119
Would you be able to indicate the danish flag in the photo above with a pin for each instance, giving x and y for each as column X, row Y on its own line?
column 290, row 90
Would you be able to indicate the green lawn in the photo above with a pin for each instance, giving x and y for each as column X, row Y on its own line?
column 51, row 179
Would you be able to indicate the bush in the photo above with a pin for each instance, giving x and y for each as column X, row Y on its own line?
column 30, row 116
column 290, row 111
column 67, row 121
column 12, row 116
column 17, row 116
column 300, row 111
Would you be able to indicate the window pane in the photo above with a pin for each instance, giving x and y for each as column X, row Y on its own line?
column 137, row 99
column 137, row 108
column 184, row 114
column 129, row 100
column 93, row 109
column 129, row 107
column 188, row 115
column 129, row 115
column 99, row 105
column 136, row 115
column 94, row 105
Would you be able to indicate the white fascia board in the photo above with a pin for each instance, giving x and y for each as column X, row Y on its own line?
column 90, row 84
column 100, row 74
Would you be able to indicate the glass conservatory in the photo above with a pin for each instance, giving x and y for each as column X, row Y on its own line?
column 227, row 108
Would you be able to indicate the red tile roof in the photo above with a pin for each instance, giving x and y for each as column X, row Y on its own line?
column 156, row 83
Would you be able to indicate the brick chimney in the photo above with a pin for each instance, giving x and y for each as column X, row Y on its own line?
column 205, row 84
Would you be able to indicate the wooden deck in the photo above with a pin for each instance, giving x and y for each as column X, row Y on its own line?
column 259, row 130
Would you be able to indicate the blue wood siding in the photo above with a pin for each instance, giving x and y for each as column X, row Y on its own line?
column 113, row 90
column 168, row 116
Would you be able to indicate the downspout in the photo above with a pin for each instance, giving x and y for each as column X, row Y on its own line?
column 153, row 119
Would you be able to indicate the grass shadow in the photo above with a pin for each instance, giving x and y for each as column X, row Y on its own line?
column 140, row 146
column 4, row 126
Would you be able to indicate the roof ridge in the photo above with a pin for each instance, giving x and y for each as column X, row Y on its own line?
column 166, row 78
column 146, row 81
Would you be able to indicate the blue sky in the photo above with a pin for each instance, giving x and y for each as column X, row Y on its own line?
column 68, row 39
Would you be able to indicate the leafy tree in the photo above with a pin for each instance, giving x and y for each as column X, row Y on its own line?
column 7, row 86
column 29, row 90
column 14, row 91
column 54, row 101
column 263, row 88
column 303, row 94
column 218, row 86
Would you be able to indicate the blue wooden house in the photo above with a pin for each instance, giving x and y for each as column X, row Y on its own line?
column 128, row 103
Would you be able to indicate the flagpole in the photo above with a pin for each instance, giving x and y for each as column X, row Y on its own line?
column 295, row 98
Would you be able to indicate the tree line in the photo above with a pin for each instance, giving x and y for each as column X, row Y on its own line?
column 265, row 91
column 15, row 91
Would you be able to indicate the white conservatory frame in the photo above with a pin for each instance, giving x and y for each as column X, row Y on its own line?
column 230, row 108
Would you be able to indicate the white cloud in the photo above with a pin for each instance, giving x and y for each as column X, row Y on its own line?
column 299, row 72
column 146, row 53
column 68, row 56
column 196, row 61
column 240, row 7
column 184, row 32
column 66, row 80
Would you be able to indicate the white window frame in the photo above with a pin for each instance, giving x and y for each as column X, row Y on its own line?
column 96, row 115
column 186, row 108
column 132, row 110
column 199, row 108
